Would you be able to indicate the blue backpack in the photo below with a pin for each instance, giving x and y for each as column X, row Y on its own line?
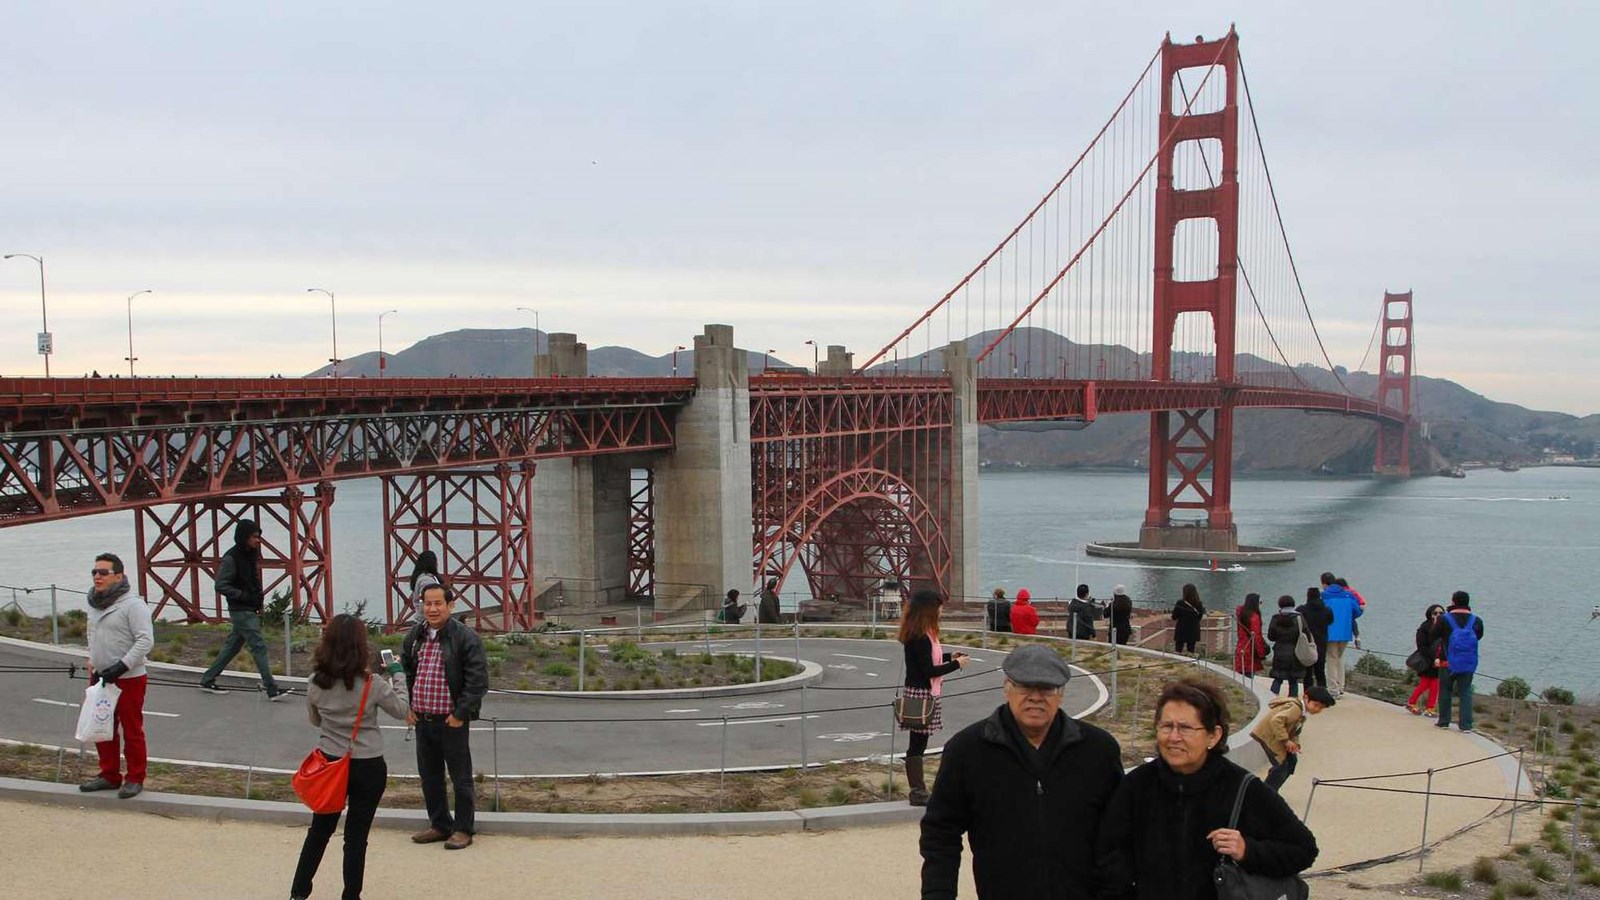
column 1461, row 652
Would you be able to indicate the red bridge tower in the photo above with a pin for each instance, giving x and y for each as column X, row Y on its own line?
column 1394, row 386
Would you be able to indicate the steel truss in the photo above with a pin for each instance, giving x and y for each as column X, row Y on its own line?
column 479, row 523
column 181, row 546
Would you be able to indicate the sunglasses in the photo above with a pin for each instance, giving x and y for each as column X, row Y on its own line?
column 100, row 572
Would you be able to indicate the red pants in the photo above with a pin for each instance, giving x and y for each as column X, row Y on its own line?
column 130, row 727
column 1426, row 684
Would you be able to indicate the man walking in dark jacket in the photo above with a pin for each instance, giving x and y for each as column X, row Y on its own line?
column 239, row 582
column 448, row 676
column 1026, row 786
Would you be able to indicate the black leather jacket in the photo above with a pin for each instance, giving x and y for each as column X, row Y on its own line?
column 466, row 668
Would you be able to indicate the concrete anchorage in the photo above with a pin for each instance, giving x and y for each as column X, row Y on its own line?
column 963, row 474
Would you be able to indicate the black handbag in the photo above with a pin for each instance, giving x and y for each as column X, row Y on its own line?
column 914, row 712
column 1419, row 662
column 1234, row 883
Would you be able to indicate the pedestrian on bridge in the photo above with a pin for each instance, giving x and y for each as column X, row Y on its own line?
column 1187, row 614
column 1346, row 609
column 926, row 665
column 239, row 582
column 447, row 677
column 120, row 637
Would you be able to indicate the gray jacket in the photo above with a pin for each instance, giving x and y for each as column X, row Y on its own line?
column 121, row 633
column 334, row 709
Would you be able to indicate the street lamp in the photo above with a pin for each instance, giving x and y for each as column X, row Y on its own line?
column 46, row 346
column 675, row 359
column 131, row 358
column 333, row 310
column 382, row 363
column 816, row 367
column 536, row 333
column 766, row 359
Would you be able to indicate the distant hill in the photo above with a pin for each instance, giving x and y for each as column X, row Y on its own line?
column 1462, row 425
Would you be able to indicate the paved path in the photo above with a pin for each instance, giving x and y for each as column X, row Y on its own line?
column 108, row 852
column 846, row 717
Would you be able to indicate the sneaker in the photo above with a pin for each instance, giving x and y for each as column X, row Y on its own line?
column 279, row 694
column 211, row 687
column 1431, row 713
column 1413, row 710
column 1466, row 730
column 98, row 783
column 130, row 790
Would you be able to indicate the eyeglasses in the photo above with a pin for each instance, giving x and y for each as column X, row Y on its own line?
column 1182, row 729
column 100, row 572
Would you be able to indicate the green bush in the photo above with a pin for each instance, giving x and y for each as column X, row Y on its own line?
column 1375, row 666
column 13, row 617
column 1559, row 696
column 1540, row 868
column 558, row 670
column 1449, row 881
column 1485, row 872
column 1513, row 688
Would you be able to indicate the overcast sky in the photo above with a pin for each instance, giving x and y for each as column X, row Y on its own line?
column 635, row 170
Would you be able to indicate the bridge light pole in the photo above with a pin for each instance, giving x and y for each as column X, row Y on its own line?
column 333, row 311
column 816, row 366
column 1013, row 355
column 675, row 359
column 46, row 346
column 536, row 334
column 766, row 359
column 131, row 358
column 382, row 363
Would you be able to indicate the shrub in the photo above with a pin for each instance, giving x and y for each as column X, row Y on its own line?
column 13, row 617
column 1513, row 688
column 1590, row 877
column 1523, row 889
column 1566, row 726
column 1449, row 881
column 1560, row 696
column 1376, row 666
column 1485, row 872
column 494, row 646
column 1540, row 868
column 839, row 795
column 558, row 670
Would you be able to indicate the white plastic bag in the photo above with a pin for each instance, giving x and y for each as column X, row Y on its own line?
column 97, row 719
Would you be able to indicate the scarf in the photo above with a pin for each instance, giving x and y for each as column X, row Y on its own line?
column 103, row 600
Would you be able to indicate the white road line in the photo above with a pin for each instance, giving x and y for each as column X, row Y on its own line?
column 873, row 674
column 757, row 721
column 680, row 710
column 148, row 712
column 853, row 656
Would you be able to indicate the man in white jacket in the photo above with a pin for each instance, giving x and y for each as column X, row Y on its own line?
column 120, row 637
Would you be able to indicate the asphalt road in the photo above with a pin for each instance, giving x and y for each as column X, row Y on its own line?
column 843, row 715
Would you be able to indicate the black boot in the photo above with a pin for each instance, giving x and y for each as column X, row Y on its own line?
column 919, row 787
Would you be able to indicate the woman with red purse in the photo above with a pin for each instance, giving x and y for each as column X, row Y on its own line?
column 343, row 699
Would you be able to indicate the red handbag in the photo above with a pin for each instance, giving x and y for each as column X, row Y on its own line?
column 323, row 784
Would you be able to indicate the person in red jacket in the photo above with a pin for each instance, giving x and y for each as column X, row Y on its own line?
column 1024, row 615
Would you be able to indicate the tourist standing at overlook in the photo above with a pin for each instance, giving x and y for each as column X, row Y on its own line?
column 732, row 609
column 447, row 676
column 1283, row 632
column 239, row 582
column 1028, row 786
column 1355, row 627
column 423, row 575
column 926, row 665
column 120, row 637
column 997, row 612
column 1317, row 617
column 1187, row 614
column 767, row 611
column 1278, row 732
column 1346, row 609
column 1082, row 613
column 343, row 700
column 1458, row 632
column 1121, row 615
column 1250, row 647
column 1169, row 820
column 1024, row 618
column 1428, row 677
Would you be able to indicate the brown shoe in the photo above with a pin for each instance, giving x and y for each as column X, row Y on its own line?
column 458, row 841
column 429, row 836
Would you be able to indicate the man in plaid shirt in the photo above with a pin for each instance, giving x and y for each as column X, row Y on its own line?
column 448, row 676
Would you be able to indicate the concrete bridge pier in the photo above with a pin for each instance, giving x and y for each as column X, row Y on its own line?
column 962, row 474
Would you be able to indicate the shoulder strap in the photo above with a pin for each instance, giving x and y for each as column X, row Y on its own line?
column 360, row 710
column 1238, row 800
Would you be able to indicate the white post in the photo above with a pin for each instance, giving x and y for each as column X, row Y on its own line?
column 288, row 637
column 583, row 641
column 55, row 623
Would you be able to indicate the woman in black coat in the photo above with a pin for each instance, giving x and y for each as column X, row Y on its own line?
column 1187, row 614
column 1317, row 617
column 1283, row 633
column 1427, row 679
column 1167, row 825
column 1121, row 615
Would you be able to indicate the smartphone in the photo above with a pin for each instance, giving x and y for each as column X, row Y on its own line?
column 387, row 656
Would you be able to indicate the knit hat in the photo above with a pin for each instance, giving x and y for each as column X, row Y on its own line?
column 1119, row 589
column 1023, row 596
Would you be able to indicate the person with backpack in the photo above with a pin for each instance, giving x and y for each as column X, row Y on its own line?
column 1458, row 632
column 1283, row 633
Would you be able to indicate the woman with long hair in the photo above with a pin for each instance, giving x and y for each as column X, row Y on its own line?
column 1427, row 679
column 341, row 680
column 1187, row 614
column 1283, row 632
column 926, row 665
column 1251, row 649
column 1318, row 617
column 424, row 574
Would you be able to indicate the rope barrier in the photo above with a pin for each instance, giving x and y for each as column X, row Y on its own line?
column 1435, row 770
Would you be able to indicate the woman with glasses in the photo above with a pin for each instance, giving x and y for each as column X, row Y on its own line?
column 926, row 665
column 1167, row 826
column 1427, row 679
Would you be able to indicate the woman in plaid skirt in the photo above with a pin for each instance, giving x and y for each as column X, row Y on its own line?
column 926, row 665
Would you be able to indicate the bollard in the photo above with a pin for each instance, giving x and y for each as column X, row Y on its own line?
column 1306, row 816
column 583, row 642
column 1572, row 852
column 288, row 639
column 495, row 725
column 722, row 767
column 803, row 758
column 1516, row 798
column 888, row 785
column 1427, row 801
column 55, row 622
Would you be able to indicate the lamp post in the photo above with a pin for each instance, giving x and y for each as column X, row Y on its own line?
column 536, row 334
column 333, row 311
column 675, row 359
column 766, row 359
column 382, row 363
column 46, row 346
column 131, row 358
column 816, row 366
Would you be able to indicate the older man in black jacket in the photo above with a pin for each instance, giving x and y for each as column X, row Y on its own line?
column 447, row 675
column 1027, row 786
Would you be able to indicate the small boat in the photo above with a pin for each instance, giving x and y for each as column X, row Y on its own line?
column 1454, row 472
column 1508, row 466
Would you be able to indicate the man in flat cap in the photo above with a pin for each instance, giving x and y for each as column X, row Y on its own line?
column 1027, row 786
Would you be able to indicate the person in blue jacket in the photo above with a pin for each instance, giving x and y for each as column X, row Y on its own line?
column 1346, row 610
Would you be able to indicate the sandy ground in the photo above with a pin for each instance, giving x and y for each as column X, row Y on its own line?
column 128, row 854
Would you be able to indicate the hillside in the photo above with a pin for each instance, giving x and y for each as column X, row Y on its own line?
column 1462, row 425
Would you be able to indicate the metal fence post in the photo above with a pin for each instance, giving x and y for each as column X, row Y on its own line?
column 1572, row 852
column 708, row 632
column 1427, row 801
column 797, row 645
column 888, row 785
column 55, row 621
column 66, row 716
column 1115, row 665
column 1306, row 816
column 638, row 623
column 758, row 648
column 1516, row 798
column 583, row 647
column 255, row 732
column 288, row 638
column 722, row 767
column 804, row 758
column 872, row 605
column 494, row 723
